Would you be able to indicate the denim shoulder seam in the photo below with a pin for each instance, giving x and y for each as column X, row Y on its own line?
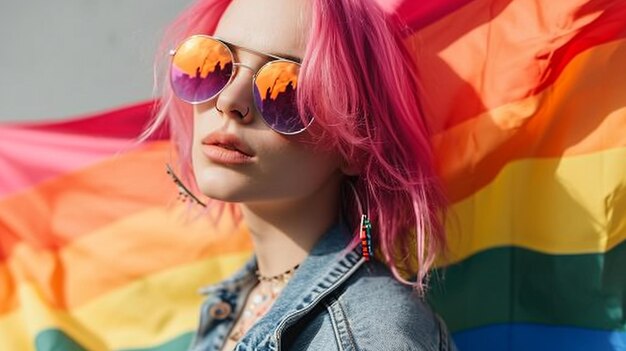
column 341, row 328
column 348, row 328
column 334, row 324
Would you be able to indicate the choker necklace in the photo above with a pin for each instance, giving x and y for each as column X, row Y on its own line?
column 278, row 277
column 261, row 300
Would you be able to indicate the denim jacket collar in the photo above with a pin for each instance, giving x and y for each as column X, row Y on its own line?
column 331, row 261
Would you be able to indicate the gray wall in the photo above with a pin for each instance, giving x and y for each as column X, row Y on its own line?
column 64, row 58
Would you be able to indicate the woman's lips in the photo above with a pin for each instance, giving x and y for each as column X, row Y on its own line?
column 227, row 141
column 219, row 154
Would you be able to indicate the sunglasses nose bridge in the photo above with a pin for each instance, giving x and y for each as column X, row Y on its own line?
column 243, row 65
column 231, row 100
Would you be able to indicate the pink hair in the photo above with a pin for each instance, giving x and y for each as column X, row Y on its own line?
column 356, row 55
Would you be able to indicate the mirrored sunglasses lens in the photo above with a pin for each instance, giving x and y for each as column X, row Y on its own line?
column 275, row 89
column 200, row 69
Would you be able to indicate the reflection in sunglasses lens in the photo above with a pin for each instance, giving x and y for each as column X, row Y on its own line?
column 275, row 90
column 200, row 69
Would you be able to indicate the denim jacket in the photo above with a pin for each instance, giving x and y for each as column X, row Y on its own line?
column 335, row 300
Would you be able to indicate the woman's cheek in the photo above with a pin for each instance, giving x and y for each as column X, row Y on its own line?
column 298, row 172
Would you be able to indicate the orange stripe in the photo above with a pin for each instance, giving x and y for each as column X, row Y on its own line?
column 57, row 211
column 118, row 254
column 583, row 112
column 488, row 54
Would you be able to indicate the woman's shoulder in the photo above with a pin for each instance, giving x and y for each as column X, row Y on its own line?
column 381, row 311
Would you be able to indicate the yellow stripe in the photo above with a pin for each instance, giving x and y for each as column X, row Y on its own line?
column 143, row 313
column 568, row 205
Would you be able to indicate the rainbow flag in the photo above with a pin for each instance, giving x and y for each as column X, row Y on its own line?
column 528, row 103
column 96, row 252
column 528, row 100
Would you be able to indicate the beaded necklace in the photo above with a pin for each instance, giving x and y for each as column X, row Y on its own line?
column 261, row 301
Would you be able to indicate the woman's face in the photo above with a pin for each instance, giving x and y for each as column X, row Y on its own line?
column 282, row 168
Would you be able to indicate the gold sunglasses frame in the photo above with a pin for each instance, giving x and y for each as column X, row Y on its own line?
column 228, row 45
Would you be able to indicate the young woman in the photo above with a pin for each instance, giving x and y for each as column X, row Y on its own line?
column 303, row 118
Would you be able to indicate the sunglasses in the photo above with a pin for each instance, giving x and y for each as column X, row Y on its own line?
column 202, row 66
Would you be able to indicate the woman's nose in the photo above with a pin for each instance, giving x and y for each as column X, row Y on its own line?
column 236, row 100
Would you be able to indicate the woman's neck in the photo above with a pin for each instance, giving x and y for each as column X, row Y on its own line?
column 283, row 233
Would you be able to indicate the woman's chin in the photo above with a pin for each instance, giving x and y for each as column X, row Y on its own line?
column 222, row 189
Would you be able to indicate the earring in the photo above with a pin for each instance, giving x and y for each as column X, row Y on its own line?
column 365, row 228
column 183, row 193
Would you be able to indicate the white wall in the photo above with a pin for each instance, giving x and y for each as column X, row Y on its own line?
column 63, row 58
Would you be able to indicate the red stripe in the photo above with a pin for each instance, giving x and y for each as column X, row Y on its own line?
column 419, row 14
column 125, row 122
column 610, row 26
column 37, row 152
column 30, row 157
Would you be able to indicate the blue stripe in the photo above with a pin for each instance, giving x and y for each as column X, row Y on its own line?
column 536, row 337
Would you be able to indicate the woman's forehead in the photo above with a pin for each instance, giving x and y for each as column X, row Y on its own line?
column 273, row 26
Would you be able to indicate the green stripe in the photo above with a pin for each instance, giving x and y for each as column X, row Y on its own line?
column 57, row 340
column 516, row 285
column 180, row 343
